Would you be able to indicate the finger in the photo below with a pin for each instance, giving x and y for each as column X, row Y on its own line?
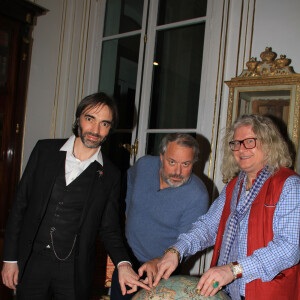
column 123, row 288
column 15, row 279
column 208, row 292
column 13, row 287
column 214, row 291
column 8, row 281
column 3, row 281
column 206, row 287
column 142, row 285
column 150, row 279
column 158, row 277
column 3, row 275
column 167, row 274
column 141, row 270
column 9, row 284
column 211, row 290
column 132, row 290
column 145, row 281
column 201, row 282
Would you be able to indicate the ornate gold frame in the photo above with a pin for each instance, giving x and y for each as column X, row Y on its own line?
column 269, row 75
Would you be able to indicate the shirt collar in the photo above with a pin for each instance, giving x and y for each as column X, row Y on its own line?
column 69, row 145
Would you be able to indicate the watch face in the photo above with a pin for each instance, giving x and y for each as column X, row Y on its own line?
column 238, row 270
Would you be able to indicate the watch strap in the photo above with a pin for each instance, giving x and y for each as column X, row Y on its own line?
column 175, row 251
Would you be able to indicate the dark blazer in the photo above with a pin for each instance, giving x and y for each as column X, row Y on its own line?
column 100, row 214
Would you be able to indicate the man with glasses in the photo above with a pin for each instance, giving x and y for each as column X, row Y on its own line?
column 163, row 199
column 253, row 224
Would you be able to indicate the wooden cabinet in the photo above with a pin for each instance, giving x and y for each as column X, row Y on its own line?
column 17, row 19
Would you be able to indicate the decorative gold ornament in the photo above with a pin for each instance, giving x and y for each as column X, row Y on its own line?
column 268, row 66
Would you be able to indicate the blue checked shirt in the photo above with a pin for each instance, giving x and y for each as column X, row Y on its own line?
column 265, row 263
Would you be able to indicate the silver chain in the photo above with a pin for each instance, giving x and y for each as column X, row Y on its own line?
column 52, row 243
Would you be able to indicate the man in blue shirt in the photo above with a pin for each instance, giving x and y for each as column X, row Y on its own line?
column 163, row 199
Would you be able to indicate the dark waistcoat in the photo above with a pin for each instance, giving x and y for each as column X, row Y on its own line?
column 63, row 212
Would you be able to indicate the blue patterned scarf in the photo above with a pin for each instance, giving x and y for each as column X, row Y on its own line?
column 229, row 248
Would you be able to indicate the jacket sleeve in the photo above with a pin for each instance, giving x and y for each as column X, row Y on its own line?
column 18, row 209
column 110, row 230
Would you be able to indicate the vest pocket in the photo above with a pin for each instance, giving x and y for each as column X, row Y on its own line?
column 266, row 205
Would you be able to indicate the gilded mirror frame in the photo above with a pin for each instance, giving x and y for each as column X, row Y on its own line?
column 269, row 85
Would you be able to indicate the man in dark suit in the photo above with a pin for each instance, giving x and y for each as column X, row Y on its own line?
column 68, row 193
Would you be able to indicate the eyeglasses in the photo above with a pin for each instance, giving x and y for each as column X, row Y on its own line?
column 248, row 144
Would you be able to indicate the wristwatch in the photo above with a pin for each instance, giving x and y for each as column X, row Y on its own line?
column 236, row 269
column 173, row 250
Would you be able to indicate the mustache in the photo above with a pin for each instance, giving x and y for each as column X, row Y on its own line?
column 176, row 176
column 92, row 134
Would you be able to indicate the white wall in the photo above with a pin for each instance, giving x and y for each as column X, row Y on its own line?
column 277, row 24
column 42, row 80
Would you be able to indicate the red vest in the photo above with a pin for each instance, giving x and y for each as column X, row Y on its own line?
column 286, row 285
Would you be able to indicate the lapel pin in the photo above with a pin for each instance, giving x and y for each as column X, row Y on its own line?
column 100, row 173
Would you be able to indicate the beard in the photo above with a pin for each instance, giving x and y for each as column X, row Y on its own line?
column 90, row 143
column 168, row 177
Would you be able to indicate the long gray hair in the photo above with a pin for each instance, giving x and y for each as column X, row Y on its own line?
column 275, row 148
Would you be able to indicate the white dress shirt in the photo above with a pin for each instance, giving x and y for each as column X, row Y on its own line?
column 74, row 167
